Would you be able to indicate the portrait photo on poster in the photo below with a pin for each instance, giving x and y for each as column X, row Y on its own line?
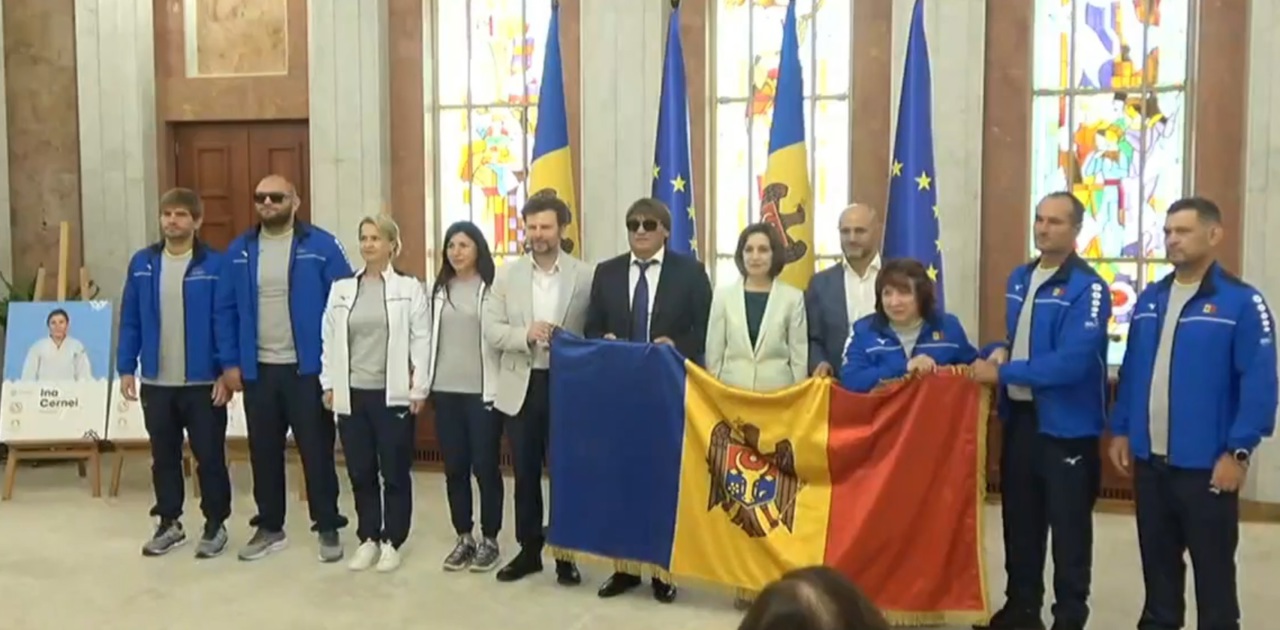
column 56, row 371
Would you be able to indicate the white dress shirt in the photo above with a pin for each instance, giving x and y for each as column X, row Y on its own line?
column 51, row 362
column 651, row 274
column 546, row 299
column 860, row 290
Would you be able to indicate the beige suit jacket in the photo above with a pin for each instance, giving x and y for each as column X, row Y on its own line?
column 780, row 356
column 509, row 312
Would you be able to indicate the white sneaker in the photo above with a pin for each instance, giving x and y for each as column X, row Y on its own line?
column 366, row 555
column 388, row 559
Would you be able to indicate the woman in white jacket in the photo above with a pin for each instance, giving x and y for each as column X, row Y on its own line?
column 374, row 371
column 758, row 337
column 462, row 371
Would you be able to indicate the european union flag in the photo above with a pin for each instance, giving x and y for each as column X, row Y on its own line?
column 911, row 227
column 671, row 161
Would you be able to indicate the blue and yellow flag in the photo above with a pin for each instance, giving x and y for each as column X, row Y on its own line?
column 552, row 168
column 911, row 228
column 786, row 196
column 657, row 466
column 672, row 164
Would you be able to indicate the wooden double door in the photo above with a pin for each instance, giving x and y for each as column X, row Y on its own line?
column 223, row 163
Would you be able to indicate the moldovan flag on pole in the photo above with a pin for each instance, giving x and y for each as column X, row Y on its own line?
column 659, row 467
column 784, row 200
column 552, row 168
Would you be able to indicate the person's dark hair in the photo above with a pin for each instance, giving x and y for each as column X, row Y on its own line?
column 650, row 208
column 1077, row 206
column 184, row 198
column 54, row 313
column 484, row 258
column 546, row 200
column 905, row 274
column 1206, row 210
column 775, row 246
column 814, row 598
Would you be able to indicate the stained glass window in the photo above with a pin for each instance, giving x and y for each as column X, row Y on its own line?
column 489, row 65
column 748, row 38
column 1109, row 124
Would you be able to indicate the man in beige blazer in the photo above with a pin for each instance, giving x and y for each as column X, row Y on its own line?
column 532, row 297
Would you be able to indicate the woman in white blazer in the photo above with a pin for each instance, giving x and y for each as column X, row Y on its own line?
column 375, row 340
column 462, row 369
column 758, row 337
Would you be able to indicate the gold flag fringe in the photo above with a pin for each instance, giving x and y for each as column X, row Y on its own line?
column 897, row 618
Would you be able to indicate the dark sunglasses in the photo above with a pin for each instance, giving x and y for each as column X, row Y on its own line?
column 273, row 197
column 649, row 225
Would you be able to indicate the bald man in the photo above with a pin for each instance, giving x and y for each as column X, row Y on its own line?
column 844, row 293
column 271, row 295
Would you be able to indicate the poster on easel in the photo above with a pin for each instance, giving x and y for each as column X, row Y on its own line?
column 57, row 371
column 126, row 422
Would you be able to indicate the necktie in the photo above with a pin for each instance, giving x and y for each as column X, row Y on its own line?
column 640, row 303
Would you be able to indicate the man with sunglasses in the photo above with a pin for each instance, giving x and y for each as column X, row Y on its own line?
column 271, row 295
column 650, row 295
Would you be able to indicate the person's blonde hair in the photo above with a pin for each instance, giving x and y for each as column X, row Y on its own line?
column 387, row 227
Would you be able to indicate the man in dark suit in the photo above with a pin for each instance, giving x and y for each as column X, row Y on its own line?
column 648, row 295
column 842, row 294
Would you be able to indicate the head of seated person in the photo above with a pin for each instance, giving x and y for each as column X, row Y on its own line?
column 904, row 293
column 814, row 598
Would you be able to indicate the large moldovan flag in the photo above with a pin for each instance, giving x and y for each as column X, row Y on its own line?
column 552, row 168
column 676, row 473
column 785, row 198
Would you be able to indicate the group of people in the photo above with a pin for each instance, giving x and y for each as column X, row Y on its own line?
column 282, row 317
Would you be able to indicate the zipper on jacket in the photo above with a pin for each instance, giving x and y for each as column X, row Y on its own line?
column 1173, row 345
column 293, row 328
column 386, row 325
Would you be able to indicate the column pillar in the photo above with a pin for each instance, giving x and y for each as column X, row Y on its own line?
column 6, row 242
column 957, row 56
column 622, row 48
column 115, row 68
column 1262, row 203
column 350, row 114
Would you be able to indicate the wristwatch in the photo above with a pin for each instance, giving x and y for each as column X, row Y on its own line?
column 1241, row 456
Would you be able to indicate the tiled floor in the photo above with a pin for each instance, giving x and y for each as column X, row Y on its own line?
column 69, row 562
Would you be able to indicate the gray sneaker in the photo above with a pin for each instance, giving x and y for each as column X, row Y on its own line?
column 487, row 556
column 168, row 536
column 212, row 544
column 330, row 546
column 464, row 551
column 263, row 544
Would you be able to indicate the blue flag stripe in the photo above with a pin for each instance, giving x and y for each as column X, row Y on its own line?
column 788, row 129
column 606, row 502
column 673, row 173
column 911, row 227
column 552, row 133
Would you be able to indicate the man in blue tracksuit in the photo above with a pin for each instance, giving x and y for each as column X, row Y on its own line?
column 1197, row 394
column 1052, row 376
column 166, row 323
column 270, row 304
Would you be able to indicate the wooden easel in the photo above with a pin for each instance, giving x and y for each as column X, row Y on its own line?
column 86, row 450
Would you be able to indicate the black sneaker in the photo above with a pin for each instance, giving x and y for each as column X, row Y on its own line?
column 168, row 536
column 1008, row 618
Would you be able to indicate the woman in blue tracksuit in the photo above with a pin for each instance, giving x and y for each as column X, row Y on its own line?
column 907, row 333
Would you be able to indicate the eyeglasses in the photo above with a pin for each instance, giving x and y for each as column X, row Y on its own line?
column 273, row 197
column 649, row 225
